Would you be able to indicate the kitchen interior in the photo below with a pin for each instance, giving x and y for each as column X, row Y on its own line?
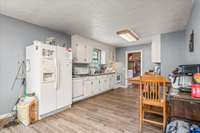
column 110, row 68
column 93, row 69
column 134, row 64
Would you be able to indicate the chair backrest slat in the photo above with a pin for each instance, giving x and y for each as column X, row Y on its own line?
column 153, row 87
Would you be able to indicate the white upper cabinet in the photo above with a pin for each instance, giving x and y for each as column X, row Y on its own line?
column 82, row 50
column 155, row 49
column 111, row 55
column 87, row 84
column 88, row 57
column 78, row 50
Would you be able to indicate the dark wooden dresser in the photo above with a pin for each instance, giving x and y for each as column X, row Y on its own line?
column 182, row 105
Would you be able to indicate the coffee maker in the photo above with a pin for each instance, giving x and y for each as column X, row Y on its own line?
column 182, row 78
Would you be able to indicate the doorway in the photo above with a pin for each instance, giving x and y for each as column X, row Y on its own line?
column 133, row 64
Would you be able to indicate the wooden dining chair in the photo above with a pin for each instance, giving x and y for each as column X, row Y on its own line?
column 153, row 94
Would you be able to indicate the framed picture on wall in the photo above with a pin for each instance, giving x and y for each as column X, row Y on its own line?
column 191, row 42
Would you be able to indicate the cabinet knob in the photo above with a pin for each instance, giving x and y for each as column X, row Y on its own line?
column 191, row 102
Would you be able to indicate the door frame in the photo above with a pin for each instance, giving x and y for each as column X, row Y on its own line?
column 126, row 64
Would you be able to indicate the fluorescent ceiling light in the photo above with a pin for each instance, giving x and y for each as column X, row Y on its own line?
column 128, row 35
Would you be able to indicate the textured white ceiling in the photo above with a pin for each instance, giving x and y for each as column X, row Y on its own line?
column 101, row 19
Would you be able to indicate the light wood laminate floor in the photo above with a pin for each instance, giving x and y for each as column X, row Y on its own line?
column 112, row 112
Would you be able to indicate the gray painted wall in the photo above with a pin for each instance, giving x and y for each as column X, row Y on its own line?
column 193, row 24
column 172, row 51
column 15, row 35
column 175, row 46
column 146, row 50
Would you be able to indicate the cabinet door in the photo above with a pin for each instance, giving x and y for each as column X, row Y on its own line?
column 107, row 87
column 77, row 88
column 96, row 86
column 88, row 54
column 75, row 48
column 79, row 53
column 113, row 81
column 105, row 84
column 110, row 82
column 87, row 88
column 101, row 84
column 110, row 56
column 155, row 48
column 74, row 52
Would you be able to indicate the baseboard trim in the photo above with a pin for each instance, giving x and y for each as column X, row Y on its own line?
column 54, row 112
column 6, row 118
column 122, row 86
column 8, row 115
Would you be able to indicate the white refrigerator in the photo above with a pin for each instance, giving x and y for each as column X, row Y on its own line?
column 49, row 76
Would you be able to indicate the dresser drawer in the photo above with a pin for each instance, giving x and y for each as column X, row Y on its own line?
column 185, row 109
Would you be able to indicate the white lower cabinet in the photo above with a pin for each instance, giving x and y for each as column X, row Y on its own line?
column 96, row 86
column 78, row 90
column 90, row 86
column 106, row 84
column 101, row 84
column 112, row 79
column 87, row 85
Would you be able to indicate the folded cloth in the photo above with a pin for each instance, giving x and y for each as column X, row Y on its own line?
column 178, row 126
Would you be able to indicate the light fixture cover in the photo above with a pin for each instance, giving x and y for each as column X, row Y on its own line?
column 128, row 35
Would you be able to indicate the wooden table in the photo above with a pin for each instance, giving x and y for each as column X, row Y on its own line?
column 183, row 105
column 136, row 80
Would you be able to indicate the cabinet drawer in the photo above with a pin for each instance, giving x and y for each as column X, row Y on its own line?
column 92, row 78
column 97, row 77
column 104, row 76
column 86, row 78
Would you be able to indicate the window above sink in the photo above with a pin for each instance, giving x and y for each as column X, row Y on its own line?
column 98, row 56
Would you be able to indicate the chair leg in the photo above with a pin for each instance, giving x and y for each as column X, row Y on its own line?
column 164, row 117
column 141, row 118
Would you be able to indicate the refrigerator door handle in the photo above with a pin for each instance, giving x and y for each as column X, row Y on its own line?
column 28, row 65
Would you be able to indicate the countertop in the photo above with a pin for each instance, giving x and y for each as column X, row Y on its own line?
column 89, row 75
column 178, row 95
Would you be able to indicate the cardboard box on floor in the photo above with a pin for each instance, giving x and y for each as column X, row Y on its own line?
column 27, row 110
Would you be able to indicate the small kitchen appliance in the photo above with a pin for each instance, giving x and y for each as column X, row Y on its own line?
column 182, row 77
